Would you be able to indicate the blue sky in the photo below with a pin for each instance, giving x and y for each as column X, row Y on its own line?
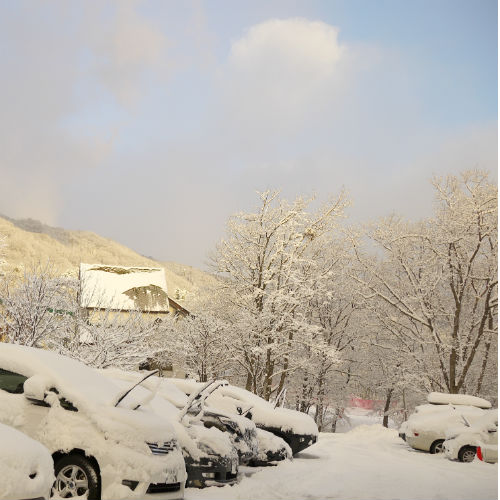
column 150, row 122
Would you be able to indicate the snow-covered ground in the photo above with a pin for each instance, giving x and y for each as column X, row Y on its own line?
column 353, row 417
column 368, row 462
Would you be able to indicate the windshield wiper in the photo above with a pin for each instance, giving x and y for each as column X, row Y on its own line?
column 128, row 391
column 198, row 397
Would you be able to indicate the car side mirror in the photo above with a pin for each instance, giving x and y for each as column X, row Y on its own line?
column 35, row 387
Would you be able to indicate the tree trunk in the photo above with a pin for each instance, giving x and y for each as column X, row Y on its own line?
column 385, row 422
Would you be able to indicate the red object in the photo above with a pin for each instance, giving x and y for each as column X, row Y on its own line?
column 479, row 453
column 416, row 433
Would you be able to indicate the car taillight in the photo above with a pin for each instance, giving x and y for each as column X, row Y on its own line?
column 479, row 453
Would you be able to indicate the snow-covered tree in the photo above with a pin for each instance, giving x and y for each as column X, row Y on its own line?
column 201, row 344
column 105, row 338
column 261, row 261
column 435, row 282
column 331, row 307
column 35, row 305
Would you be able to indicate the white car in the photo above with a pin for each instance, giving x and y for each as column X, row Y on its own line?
column 26, row 467
column 462, row 443
column 103, row 443
column 297, row 429
column 426, row 428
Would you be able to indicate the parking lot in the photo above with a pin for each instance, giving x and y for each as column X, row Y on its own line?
column 369, row 462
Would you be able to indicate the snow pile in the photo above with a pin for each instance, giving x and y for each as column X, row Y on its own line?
column 441, row 398
column 26, row 467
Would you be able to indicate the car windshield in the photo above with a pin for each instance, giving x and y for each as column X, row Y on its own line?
column 128, row 391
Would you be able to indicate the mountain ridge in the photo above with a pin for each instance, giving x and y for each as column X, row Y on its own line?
column 29, row 241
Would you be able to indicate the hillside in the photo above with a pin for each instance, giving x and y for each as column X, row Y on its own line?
column 29, row 241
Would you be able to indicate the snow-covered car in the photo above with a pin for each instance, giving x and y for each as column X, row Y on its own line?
column 462, row 442
column 210, row 457
column 297, row 429
column 26, row 467
column 104, row 444
column 426, row 428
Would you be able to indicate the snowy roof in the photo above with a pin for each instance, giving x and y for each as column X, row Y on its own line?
column 439, row 398
column 123, row 288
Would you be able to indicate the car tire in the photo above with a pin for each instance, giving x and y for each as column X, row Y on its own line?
column 467, row 453
column 437, row 446
column 75, row 477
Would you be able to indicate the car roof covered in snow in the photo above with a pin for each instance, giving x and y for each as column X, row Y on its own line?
column 440, row 398
column 123, row 288
column 77, row 381
column 90, row 391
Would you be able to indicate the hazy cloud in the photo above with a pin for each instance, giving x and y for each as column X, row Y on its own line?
column 126, row 46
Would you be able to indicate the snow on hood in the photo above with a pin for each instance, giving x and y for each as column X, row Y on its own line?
column 229, row 398
column 441, row 398
column 21, row 457
column 92, row 393
column 269, row 442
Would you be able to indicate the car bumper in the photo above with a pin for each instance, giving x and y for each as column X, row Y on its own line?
column 150, row 476
column 297, row 442
column 211, row 471
column 150, row 491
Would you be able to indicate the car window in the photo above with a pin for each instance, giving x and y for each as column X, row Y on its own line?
column 12, row 382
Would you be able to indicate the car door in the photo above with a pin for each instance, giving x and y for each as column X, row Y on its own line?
column 15, row 409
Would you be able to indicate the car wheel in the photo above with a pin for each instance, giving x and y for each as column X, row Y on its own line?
column 467, row 453
column 437, row 446
column 76, row 477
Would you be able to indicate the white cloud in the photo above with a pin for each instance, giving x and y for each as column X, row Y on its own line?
column 281, row 72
